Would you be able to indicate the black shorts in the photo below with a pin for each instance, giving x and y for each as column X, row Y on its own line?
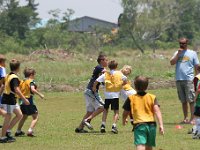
column 197, row 111
column 28, row 109
column 114, row 104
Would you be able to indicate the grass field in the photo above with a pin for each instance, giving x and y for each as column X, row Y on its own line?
column 62, row 112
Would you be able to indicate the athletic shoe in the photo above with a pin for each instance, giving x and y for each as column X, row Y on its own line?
column 196, row 136
column 3, row 140
column 9, row 137
column 193, row 130
column 114, row 130
column 21, row 133
column 30, row 134
column 1, row 126
column 77, row 130
column 103, row 128
column 8, row 134
column 88, row 125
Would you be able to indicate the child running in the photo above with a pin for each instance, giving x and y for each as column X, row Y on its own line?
column 196, row 127
column 114, row 80
column 144, row 107
column 28, row 88
column 2, row 76
column 127, row 89
column 94, row 103
column 9, row 102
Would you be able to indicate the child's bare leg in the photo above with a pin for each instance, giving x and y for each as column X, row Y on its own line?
column 140, row 147
column 21, row 123
column 34, row 121
column 105, row 114
column 6, row 124
column 95, row 113
column 149, row 148
column 86, row 116
column 2, row 112
column 192, row 112
column 116, row 116
column 18, row 116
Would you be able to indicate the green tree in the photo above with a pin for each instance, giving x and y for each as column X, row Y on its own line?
column 145, row 21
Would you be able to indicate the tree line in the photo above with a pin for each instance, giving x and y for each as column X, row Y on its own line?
column 144, row 24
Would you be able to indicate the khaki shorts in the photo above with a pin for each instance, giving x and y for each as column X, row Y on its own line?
column 185, row 90
column 93, row 101
column 10, row 108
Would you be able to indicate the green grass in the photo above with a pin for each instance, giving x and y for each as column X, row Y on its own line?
column 76, row 69
column 62, row 112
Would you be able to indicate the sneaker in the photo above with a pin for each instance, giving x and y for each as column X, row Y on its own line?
column 21, row 133
column 3, row 140
column 193, row 130
column 114, row 130
column 88, row 125
column 77, row 130
column 103, row 128
column 30, row 134
column 8, row 134
column 196, row 136
column 1, row 126
column 11, row 139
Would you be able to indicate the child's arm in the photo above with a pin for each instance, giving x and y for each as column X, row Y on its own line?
column 94, row 88
column 36, row 92
column 19, row 93
column 159, row 118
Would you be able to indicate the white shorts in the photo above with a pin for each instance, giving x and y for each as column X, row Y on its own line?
column 124, row 94
column 10, row 108
column 93, row 101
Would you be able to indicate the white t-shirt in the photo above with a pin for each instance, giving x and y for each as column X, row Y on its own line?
column 110, row 95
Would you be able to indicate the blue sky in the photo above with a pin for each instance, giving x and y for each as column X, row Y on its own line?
column 108, row 10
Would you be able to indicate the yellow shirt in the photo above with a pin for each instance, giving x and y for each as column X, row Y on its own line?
column 8, row 78
column 113, row 82
column 142, row 107
column 127, row 86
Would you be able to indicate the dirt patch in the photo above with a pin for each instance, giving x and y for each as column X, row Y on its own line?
column 69, row 88
column 52, row 55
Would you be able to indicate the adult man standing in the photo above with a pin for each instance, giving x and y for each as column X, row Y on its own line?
column 186, row 61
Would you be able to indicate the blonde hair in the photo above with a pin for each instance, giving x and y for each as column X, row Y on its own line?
column 126, row 67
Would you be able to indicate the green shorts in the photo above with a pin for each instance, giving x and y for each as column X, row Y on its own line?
column 145, row 134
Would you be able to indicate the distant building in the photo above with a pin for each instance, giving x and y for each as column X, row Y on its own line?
column 89, row 24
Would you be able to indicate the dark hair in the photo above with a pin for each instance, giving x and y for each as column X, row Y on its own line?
column 141, row 83
column 14, row 65
column 112, row 64
column 183, row 38
column 100, row 57
column 28, row 72
column 2, row 58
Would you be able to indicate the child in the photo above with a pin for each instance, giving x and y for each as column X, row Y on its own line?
column 114, row 80
column 28, row 89
column 2, row 76
column 144, row 107
column 94, row 103
column 196, row 127
column 127, row 89
column 9, row 101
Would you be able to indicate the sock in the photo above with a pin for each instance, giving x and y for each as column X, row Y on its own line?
column 114, row 125
column 198, row 125
column 103, row 123
column 18, row 131
column 30, row 130
column 8, row 131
